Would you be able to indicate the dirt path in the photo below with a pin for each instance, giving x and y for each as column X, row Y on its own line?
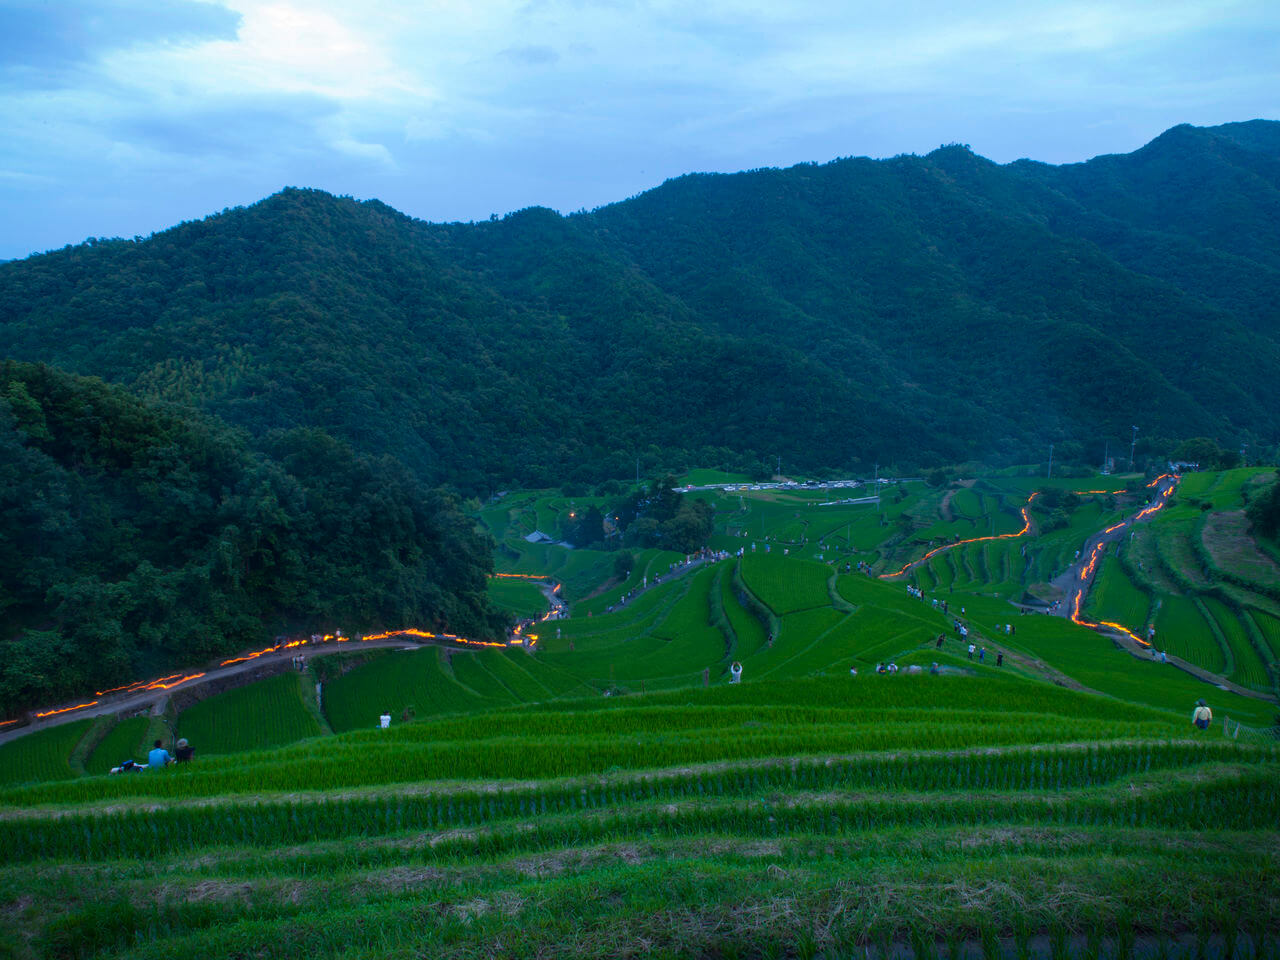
column 944, row 508
column 1079, row 576
column 141, row 700
column 1222, row 683
column 1075, row 582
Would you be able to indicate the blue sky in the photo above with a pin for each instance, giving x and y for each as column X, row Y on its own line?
column 123, row 117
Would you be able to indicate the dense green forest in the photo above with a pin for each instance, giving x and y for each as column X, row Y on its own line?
column 914, row 310
column 140, row 535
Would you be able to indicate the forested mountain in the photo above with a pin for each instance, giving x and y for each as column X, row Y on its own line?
column 138, row 537
column 910, row 310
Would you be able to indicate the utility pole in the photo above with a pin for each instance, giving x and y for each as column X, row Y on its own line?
column 779, row 465
column 877, row 482
column 1133, row 446
column 1050, row 474
column 1106, row 457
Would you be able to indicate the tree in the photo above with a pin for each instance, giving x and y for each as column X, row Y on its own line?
column 623, row 561
column 1264, row 512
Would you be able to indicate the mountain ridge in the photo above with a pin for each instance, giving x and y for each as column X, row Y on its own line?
column 911, row 310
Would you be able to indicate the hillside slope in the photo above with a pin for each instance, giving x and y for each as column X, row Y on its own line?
column 914, row 309
column 140, row 537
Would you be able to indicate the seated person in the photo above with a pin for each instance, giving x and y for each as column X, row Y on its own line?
column 158, row 757
column 184, row 751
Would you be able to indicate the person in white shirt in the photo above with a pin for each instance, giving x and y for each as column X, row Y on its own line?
column 384, row 721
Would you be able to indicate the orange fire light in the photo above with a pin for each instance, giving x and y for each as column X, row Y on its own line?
column 78, row 706
column 1026, row 528
column 157, row 685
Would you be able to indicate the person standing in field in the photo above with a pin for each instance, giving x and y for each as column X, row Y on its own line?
column 735, row 672
column 1202, row 716
column 971, row 649
column 384, row 721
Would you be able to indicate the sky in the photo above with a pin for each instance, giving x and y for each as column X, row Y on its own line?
column 125, row 117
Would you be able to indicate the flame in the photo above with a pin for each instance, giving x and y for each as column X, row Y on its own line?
column 130, row 687
column 1087, row 570
column 1026, row 528
column 158, row 685
column 252, row 656
column 78, row 706
column 1083, row 621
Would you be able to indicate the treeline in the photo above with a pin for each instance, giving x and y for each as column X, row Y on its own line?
column 141, row 536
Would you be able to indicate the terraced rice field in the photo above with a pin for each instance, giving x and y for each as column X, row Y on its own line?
column 784, row 585
column 265, row 714
column 522, row 598
column 594, row 799
column 416, row 681
column 123, row 742
column 1250, row 669
column 1181, row 630
column 637, row 826
column 1114, row 598
column 42, row 755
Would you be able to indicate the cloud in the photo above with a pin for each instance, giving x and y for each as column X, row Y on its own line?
column 44, row 43
column 230, row 129
column 365, row 151
column 573, row 103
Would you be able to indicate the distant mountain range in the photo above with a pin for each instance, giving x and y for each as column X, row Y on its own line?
column 914, row 310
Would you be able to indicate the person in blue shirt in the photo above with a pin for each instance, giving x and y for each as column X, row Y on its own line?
column 158, row 757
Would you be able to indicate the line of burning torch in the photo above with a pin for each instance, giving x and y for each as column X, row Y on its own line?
column 1087, row 571
column 1026, row 528
column 177, row 679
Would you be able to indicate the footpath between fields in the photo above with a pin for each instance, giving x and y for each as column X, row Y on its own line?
column 153, row 700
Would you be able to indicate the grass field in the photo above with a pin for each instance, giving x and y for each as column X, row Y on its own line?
column 1182, row 630
column 636, row 826
column 592, row 798
column 1250, row 669
column 42, row 755
column 415, row 681
column 264, row 714
column 785, row 585
column 123, row 742
column 1114, row 598
column 522, row 598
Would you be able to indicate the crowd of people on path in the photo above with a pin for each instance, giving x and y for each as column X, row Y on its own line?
column 675, row 569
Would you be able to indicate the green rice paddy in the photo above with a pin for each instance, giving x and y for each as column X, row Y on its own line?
column 612, row 794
